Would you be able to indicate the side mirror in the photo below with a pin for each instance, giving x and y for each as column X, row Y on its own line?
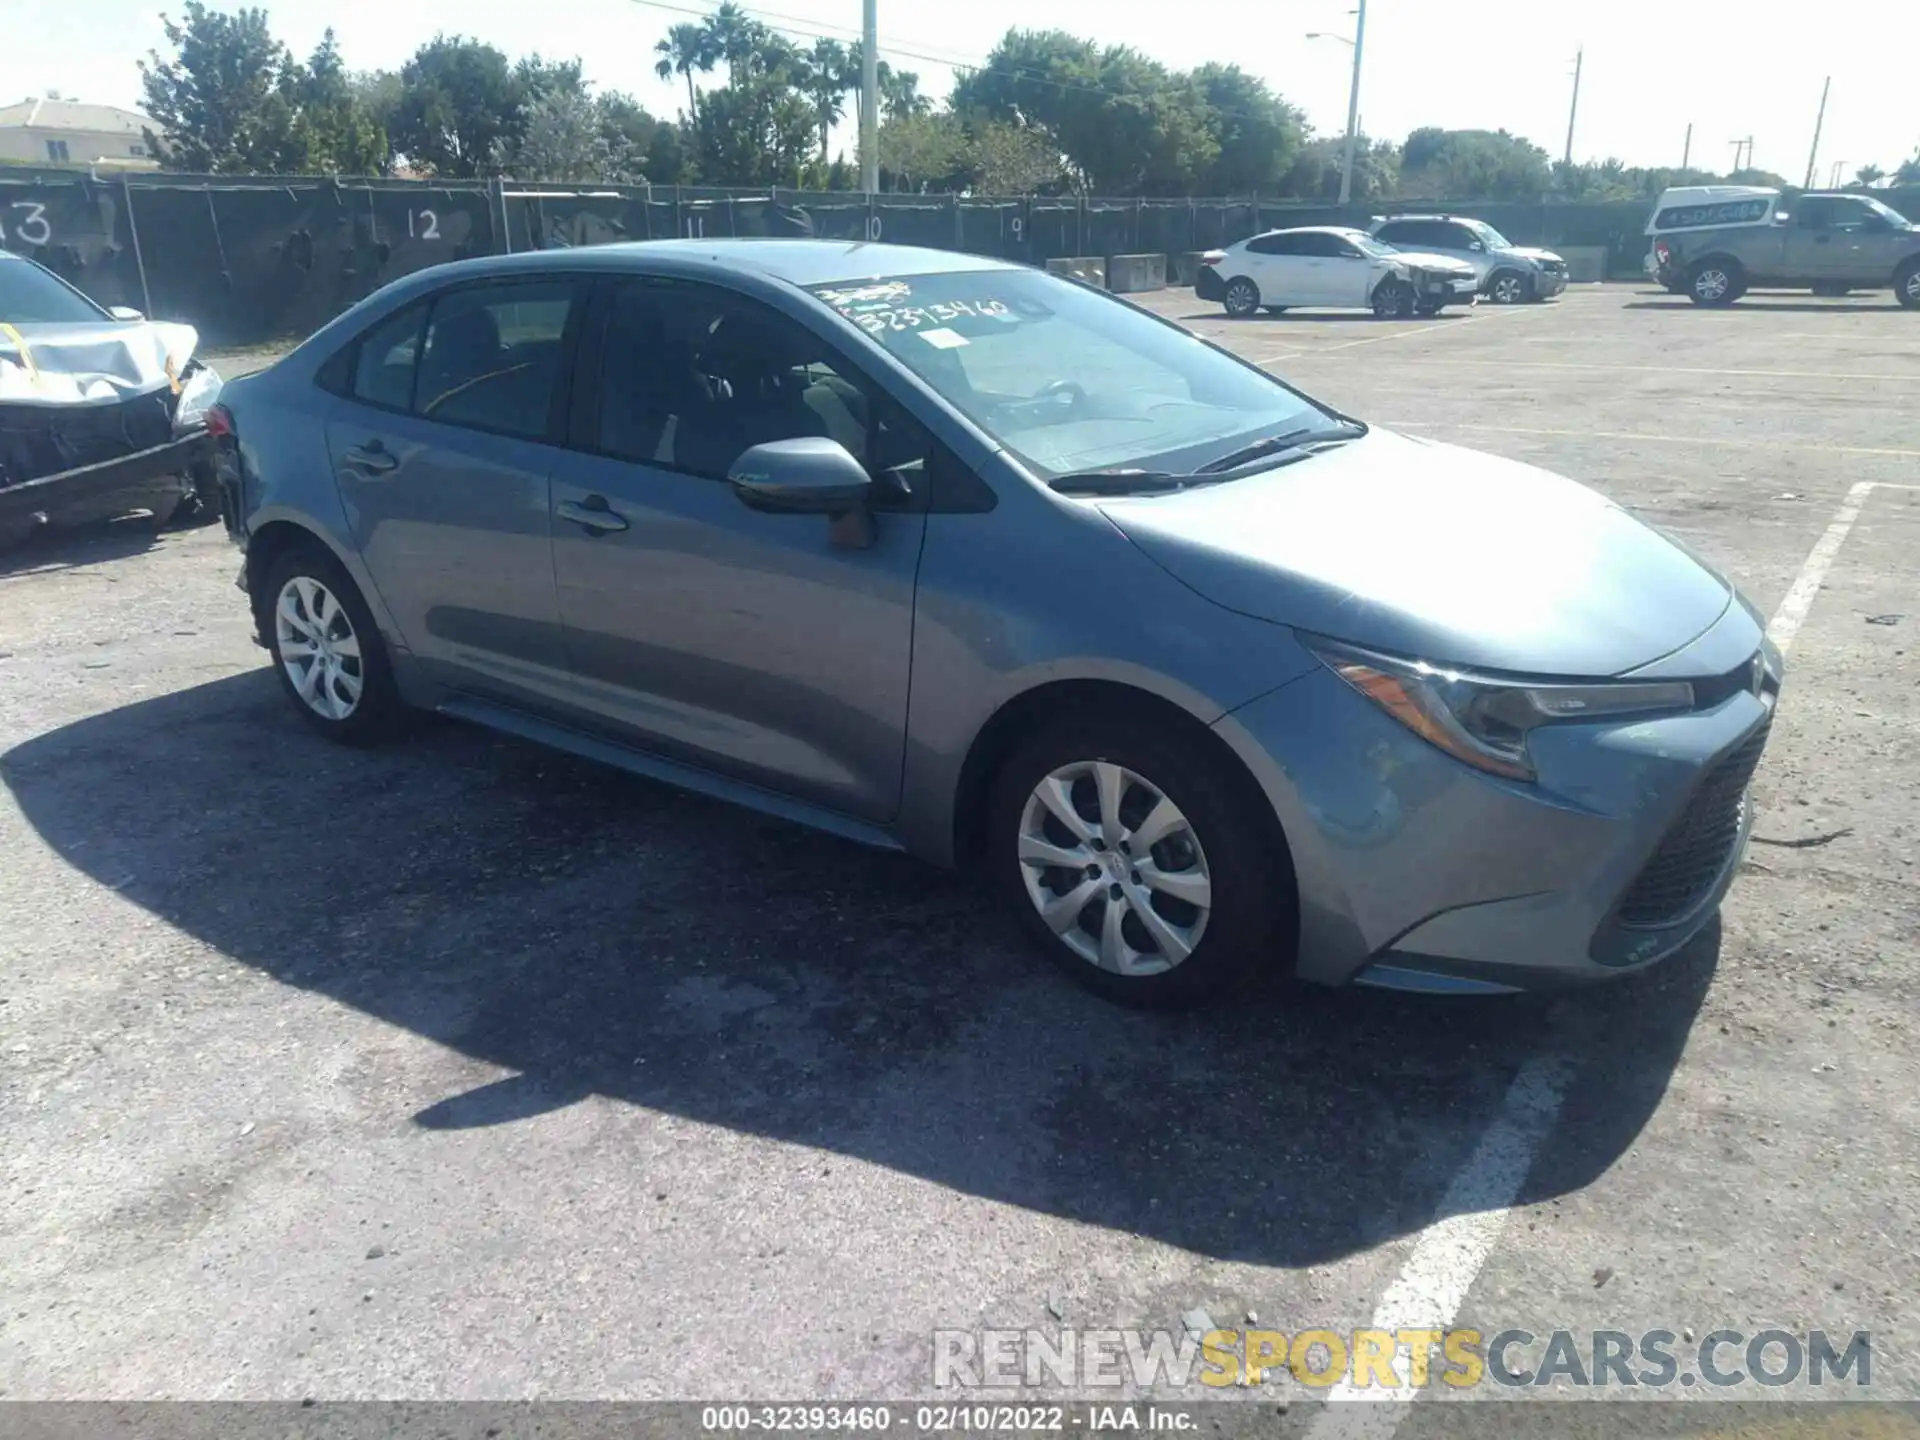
column 125, row 312
column 810, row 475
column 1475, row 245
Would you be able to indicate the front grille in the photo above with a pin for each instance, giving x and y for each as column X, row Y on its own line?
column 38, row 440
column 1696, row 851
column 1552, row 267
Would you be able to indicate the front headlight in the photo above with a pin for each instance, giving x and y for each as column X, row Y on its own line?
column 1484, row 721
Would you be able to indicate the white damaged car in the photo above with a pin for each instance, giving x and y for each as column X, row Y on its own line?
column 1331, row 265
column 102, row 412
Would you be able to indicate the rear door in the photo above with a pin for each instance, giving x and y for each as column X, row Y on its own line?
column 1274, row 263
column 773, row 649
column 442, row 443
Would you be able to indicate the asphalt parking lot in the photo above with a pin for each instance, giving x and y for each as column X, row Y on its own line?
column 466, row 1070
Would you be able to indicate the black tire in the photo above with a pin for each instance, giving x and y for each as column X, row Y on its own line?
column 1427, row 311
column 1509, row 287
column 1715, row 283
column 1249, row 929
column 1242, row 297
column 1906, row 284
column 1394, row 300
column 377, row 711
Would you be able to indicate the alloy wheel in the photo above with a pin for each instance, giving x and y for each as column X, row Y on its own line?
column 1912, row 287
column 1508, row 290
column 318, row 648
column 1114, row 868
column 1712, row 284
column 1243, row 298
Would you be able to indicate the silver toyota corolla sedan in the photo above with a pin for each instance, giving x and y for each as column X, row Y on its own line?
column 955, row 557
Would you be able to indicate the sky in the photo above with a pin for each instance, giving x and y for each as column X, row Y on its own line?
column 1655, row 67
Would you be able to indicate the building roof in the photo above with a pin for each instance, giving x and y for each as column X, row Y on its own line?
column 71, row 115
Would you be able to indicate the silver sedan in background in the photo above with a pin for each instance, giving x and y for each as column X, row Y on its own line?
column 951, row 556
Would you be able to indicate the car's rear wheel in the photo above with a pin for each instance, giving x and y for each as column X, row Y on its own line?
column 1137, row 863
column 1714, row 283
column 1509, row 287
column 1393, row 300
column 327, row 649
column 1242, row 297
column 1906, row 285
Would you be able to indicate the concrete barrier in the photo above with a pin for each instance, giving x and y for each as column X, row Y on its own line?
column 1090, row 268
column 1186, row 267
column 1585, row 263
column 1131, row 274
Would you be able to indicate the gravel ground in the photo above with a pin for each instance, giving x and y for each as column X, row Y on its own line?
column 461, row 1070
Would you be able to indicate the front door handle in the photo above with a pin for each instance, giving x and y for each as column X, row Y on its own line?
column 593, row 516
column 373, row 457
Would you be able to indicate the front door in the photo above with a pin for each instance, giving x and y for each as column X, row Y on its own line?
column 1829, row 237
column 769, row 648
column 1342, row 275
column 442, row 448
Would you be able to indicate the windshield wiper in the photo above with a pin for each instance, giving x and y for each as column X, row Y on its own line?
column 1118, row 481
column 1276, row 444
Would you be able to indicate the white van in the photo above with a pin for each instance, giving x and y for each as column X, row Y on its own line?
column 1706, row 207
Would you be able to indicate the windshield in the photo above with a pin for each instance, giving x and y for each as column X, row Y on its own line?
column 31, row 296
column 1378, row 249
column 1067, row 378
column 1491, row 237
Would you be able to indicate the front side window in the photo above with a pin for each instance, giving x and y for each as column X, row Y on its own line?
column 1489, row 236
column 1067, row 378
column 692, row 376
column 31, row 296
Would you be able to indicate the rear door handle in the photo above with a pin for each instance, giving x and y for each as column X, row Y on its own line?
column 373, row 457
column 593, row 516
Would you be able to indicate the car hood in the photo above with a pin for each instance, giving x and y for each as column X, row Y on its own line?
column 1436, row 552
column 91, row 364
column 1444, row 264
column 1534, row 252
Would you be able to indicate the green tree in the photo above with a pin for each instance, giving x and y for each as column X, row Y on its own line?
column 337, row 130
column 1472, row 165
column 1869, row 175
column 1315, row 172
column 1909, row 171
column 1257, row 135
column 824, row 79
column 461, row 104
column 649, row 148
column 900, row 97
column 562, row 139
column 683, row 51
column 225, row 102
column 1007, row 159
column 924, row 152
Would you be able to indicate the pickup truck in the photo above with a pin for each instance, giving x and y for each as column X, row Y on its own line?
column 1826, row 243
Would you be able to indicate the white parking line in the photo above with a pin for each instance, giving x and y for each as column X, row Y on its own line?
column 1788, row 443
column 1431, row 1286
column 1448, row 1255
column 1913, row 376
column 1793, row 610
column 1441, row 326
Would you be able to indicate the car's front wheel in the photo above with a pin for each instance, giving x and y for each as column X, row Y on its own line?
column 326, row 648
column 1906, row 285
column 1138, row 864
column 1393, row 300
column 1509, row 287
column 1242, row 298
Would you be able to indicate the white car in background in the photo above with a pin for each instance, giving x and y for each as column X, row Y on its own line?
column 1329, row 265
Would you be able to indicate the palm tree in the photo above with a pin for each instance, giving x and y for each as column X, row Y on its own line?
column 900, row 96
column 1909, row 172
column 734, row 36
column 1869, row 175
column 824, row 78
column 683, row 51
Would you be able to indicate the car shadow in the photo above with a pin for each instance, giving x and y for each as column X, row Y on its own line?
column 594, row 934
column 1307, row 315
column 66, row 547
column 1751, row 304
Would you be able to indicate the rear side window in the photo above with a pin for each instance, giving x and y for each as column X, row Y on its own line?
column 383, row 367
column 1274, row 245
column 491, row 357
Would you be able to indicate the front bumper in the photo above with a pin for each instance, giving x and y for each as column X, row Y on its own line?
column 1208, row 285
column 156, row 478
column 1416, row 871
column 1549, row 283
column 1436, row 287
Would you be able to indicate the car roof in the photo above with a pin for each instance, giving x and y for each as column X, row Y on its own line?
column 1314, row 230
column 797, row 261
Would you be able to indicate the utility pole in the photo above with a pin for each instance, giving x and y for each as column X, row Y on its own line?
column 1819, row 120
column 1353, row 104
column 1573, row 112
column 870, row 97
column 1686, row 151
column 1742, row 146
